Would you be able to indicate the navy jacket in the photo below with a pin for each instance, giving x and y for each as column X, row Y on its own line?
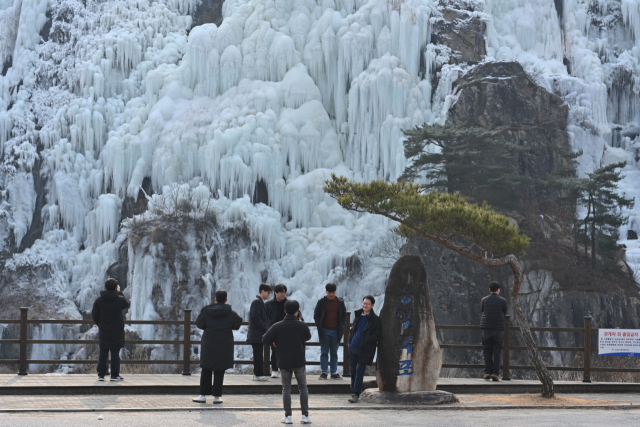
column 494, row 307
column 258, row 321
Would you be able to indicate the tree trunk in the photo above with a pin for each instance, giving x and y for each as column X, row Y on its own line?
column 548, row 389
column 541, row 370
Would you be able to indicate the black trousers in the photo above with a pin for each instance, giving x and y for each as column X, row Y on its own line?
column 492, row 348
column 274, row 359
column 258, row 360
column 205, row 382
column 115, row 362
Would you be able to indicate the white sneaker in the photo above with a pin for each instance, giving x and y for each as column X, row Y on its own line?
column 305, row 419
column 275, row 374
column 287, row 420
column 260, row 378
column 217, row 399
column 201, row 399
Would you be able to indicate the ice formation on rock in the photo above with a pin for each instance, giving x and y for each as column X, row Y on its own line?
column 263, row 109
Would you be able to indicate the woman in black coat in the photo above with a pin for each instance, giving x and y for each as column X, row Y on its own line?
column 216, row 350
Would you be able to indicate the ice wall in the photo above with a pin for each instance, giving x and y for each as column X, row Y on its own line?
column 249, row 119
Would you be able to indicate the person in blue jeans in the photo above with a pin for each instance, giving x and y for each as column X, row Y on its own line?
column 329, row 316
column 363, row 343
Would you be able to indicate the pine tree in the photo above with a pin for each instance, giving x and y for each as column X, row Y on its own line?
column 599, row 228
column 473, row 160
column 447, row 219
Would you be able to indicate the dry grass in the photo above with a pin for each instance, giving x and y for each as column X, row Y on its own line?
column 537, row 400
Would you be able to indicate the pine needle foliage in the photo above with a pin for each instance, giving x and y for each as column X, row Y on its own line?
column 434, row 215
column 467, row 157
column 599, row 227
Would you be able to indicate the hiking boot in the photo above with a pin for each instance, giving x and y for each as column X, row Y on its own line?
column 354, row 399
column 323, row 376
column 217, row 399
column 336, row 376
column 487, row 376
column 287, row 420
column 494, row 377
column 200, row 399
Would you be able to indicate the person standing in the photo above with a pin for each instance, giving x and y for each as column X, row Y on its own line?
column 329, row 316
column 363, row 343
column 494, row 308
column 258, row 325
column 289, row 337
column 216, row 350
column 107, row 314
column 275, row 311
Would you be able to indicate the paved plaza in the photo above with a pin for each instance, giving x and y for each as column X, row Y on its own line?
column 317, row 402
column 333, row 418
column 147, row 384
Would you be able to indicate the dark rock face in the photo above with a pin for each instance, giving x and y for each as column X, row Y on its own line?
column 208, row 12
column 502, row 94
column 457, row 285
column 37, row 224
column 409, row 357
column 462, row 32
column 632, row 235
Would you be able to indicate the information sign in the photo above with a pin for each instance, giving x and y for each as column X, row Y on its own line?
column 619, row 342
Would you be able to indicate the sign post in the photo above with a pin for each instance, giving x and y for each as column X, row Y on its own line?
column 619, row 342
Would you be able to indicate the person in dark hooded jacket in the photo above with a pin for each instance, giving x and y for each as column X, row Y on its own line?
column 107, row 314
column 216, row 351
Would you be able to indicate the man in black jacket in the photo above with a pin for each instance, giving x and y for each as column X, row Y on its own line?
column 258, row 325
column 275, row 311
column 216, row 350
column 363, row 343
column 289, row 337
column 329, row 316
column 494, row 307
column 107, row 314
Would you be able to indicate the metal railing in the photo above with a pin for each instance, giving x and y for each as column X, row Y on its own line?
column 187, row 361
column 186, row 342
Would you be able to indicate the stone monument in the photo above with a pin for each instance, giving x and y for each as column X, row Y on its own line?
column 409, row 358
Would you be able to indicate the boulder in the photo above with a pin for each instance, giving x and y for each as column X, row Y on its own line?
column 409, row 357
column 435, row 397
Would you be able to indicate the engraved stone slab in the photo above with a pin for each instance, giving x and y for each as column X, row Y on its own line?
column 409, row 357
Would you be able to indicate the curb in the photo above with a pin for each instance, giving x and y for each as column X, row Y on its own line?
column 330, row 408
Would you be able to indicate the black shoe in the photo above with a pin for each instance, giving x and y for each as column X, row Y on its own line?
column 323, row 376
column 118, row 378
column 100, row 378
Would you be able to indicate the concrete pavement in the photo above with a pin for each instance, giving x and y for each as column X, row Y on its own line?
column 332, row 418
column 318, row 402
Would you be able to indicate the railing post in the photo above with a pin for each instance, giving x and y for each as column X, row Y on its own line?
column 186, row 351
column 22, row 369
column 587, row 349
column 266, row 360
column 506, row 349
column 346, row 369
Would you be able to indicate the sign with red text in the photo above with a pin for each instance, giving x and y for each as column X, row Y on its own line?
column 619, row 342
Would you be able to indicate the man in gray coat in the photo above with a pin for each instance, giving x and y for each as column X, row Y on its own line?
column 216, row 351
column 258, row 325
